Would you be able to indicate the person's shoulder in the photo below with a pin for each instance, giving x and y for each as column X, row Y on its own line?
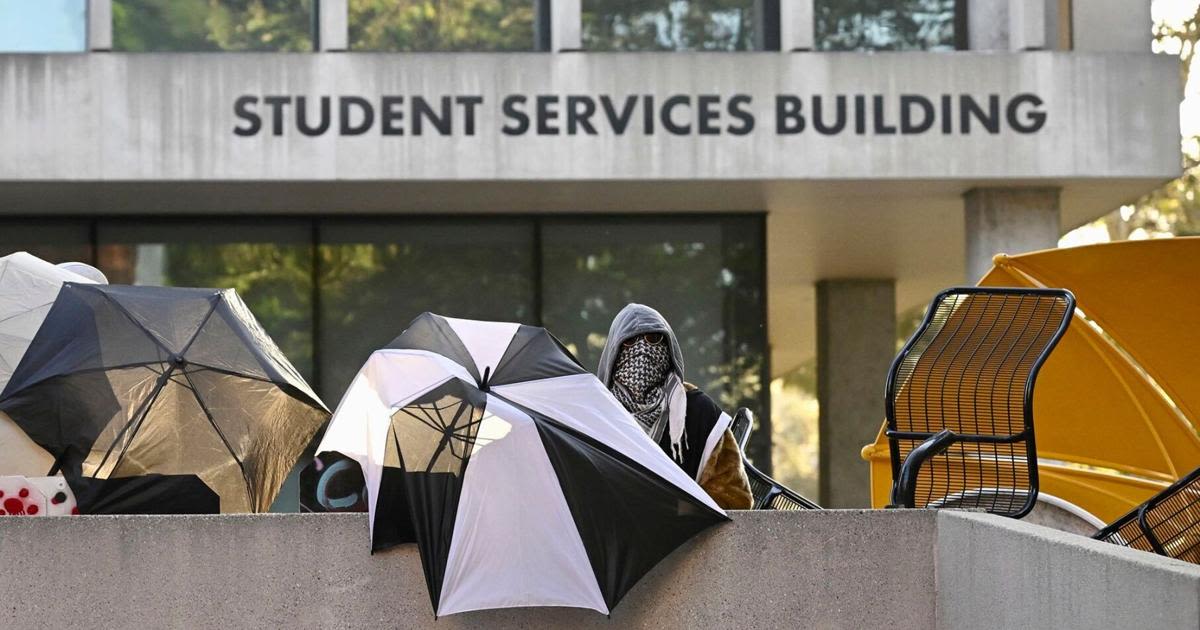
column 697, row 400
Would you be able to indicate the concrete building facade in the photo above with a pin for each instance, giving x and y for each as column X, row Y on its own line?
column 836, row 186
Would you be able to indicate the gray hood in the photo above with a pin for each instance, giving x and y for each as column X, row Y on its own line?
column 634, row 320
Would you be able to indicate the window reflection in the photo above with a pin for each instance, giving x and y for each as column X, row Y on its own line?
column 376, row 276
column 634, row 25
column 441, row 25
column 51, row 240
column 212, row 25
column 886, row 24
column 373, row 276
column 270, row 266
column 703, row 275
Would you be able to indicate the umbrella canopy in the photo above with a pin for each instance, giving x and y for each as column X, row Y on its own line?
column 519, row 476
column 1117, row 403
column 125, row 381
column 28, row 286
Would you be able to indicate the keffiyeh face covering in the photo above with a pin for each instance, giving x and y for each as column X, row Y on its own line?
column 639, row 378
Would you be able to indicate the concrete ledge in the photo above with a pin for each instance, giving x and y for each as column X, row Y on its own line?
column 838, row 568
column 762, row 570
column 1016, row 575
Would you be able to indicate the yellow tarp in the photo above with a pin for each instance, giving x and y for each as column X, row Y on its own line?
column 1107, row 437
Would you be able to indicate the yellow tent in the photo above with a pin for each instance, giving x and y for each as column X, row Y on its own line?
column 1117, row 404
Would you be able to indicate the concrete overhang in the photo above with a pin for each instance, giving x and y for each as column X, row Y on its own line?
column 110, row 133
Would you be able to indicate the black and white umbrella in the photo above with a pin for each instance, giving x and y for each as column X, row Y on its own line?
column 520, row 478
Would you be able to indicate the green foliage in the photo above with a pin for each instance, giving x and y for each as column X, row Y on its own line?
column 885, row 24
column 212, row 25
column 274, row 280
column 633, row 25
column 441, row 25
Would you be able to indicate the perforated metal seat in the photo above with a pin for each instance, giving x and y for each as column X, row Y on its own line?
column 768, row 493
column 959, row 399
column 1168, row 524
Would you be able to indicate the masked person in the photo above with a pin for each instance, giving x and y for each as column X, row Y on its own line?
column 642, row 365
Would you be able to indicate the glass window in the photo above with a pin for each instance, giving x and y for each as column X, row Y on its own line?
column 270, row 266
column 376, row 276
column 441, row 25
column 211, row 25
column 43, row 26
column 887, row 24
column 55, row 241
column 633, row 25
column 704, row 275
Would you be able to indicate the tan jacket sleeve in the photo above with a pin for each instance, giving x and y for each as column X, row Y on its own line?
column 724, row 477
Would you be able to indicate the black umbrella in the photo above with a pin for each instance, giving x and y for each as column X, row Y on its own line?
column 123, row 381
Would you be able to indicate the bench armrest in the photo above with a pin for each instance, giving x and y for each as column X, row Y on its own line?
column 905, row 490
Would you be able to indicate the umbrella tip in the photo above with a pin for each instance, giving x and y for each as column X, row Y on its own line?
column 487, row 376
column 1000, row 259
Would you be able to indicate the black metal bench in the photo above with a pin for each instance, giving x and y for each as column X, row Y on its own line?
column 959, row 399
column 768, row 493
column 1168, row 524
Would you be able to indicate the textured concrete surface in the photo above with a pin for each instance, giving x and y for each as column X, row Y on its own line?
column 1008, row 221
column 829, row 569
column 166, row 117
column 1000, row 573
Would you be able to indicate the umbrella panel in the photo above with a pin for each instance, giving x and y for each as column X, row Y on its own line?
column 628, row 517
column 262, row 425
column 166, row 430
column 429, row 443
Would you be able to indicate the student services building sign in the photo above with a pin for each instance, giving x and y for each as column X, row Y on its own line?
column 644, row 114
column 583, row 117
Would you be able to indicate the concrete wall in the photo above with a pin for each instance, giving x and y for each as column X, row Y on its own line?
column 315, row 571
column 165, row 117
column 846, row 569
column 1000, row 573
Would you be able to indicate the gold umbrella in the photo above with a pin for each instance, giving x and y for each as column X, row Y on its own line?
column 1117, row 403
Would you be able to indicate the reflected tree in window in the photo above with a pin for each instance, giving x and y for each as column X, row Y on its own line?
column 375, row 277
column 270, row 269
column 634, row 25
column 885, row 24
column 441, row 25
column 212, row 25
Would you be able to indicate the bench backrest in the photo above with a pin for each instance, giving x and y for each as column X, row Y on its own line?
column 970, row 369
column 1168, row 524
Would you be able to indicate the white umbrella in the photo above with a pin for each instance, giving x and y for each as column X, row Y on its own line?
column 519, row 476
column 28, row 287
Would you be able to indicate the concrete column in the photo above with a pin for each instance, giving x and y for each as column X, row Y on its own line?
column 797, row 30
column 856, row 341
column 99, row 25
column 987, row 24
column 333, row 26
column 1009, row 221
column 1033, row 25
column 1111, row 26
column 566, row 25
